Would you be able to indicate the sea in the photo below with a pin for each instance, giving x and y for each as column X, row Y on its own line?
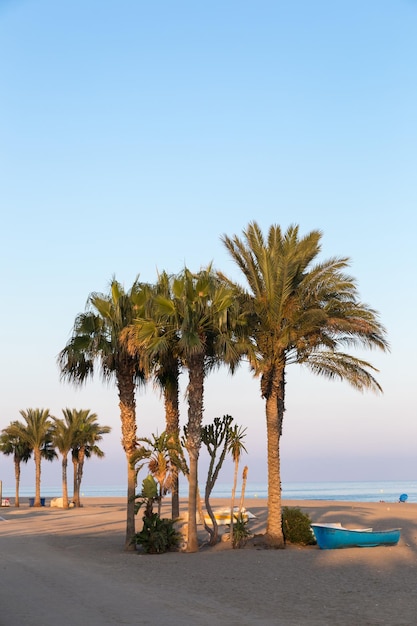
column 374, row 491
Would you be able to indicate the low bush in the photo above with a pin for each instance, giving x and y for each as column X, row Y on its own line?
column 296, row 527
column 241, row 532
column 158, row 535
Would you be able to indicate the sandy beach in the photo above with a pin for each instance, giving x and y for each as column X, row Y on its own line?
column 69, row 567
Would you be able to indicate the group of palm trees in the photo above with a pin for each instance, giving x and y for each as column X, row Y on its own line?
column 42, row 434
column 291, row 308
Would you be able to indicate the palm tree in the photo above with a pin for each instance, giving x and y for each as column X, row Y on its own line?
column 166, row 375
column 63, row 433
column 298, row 313
column 88, row 433
column 96, row 343
column 36, row 433
column 21, row 451
column 195, row 320
column 202, row 315
column 149, row 338
column 236, row 447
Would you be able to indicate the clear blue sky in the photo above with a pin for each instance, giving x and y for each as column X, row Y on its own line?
column 134, row 134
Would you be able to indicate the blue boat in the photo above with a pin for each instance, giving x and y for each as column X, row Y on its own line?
column 330, row 536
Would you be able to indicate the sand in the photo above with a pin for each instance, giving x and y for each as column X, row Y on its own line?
column 69, row 567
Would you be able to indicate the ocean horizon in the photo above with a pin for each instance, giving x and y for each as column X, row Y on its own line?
column 354, row 491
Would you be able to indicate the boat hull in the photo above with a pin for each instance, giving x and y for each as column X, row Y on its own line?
column 331, row 536
column 223, row 516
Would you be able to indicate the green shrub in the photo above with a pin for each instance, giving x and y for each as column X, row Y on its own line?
column 240, row 531
column 158, row 535
column 296, row 527
column 147, row 496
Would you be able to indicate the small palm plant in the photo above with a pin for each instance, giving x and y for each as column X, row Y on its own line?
column 158, row 534
column 164, row 459
column 147, row 496
column 236, row 447
column 239, row 532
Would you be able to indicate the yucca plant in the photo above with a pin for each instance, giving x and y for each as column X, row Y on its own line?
column 240, row 530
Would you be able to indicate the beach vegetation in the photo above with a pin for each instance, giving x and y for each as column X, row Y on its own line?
column 216, row 438
column 199, row 316
column 298, row 312
column 205, row 313
column 88, row 434
column 236, row 447
column 11, row 443
column 164, row 459
column 239, row 531
column 296, row 526
column 96, row 344
column 36, row 433
column 291, row 309
column 63, row 434
column 147, row 497
column 150, row 339
column 158, row 535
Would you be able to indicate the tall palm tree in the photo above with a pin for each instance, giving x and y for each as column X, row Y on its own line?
column 166, row 375
column 63, row 434
column 299, row 313
column 201, row 317
column 158, row 348
column 96, row 343
column 21, row 451
column 36, row 433
column 88, row 434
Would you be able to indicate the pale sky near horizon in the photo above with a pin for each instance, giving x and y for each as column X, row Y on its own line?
column 134, row 134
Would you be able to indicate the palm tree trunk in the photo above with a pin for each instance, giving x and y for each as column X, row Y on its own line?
column 172, row 428
column 37, row 455
column 64, row 481
column 195, row 417
column 17, row 481
column 76, row 492
column 80, row 470
column 199, row 503
column 130, row 512
column 175, row 497
column 192, row 539
column 127, row 405
column 274, row 414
